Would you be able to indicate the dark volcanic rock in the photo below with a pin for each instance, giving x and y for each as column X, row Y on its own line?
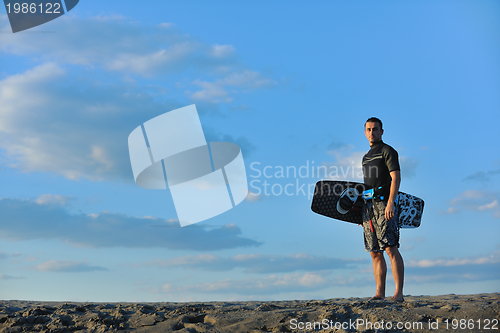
column 243, row 317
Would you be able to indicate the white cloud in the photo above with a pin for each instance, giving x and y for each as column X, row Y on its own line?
column 452, row 210
column 473, row 268
column 67, row 266
column 272, row 284
column 211, row 92
column 469, row 194
column 491, row 205
column 99, row 154
column 148, row 64
column 70, row 115
column 347, row 165
column 492, row 259
column 441, row 270
column 475, row 200
column 166, row 25
column 114, row 44
column 222, row 51
column 53, row 199
column 254, row 197
column 14, row 93
column 76, row 129
column 408, row 166
column 29, row 220
column 258, row 263
column 247, row 79
column 111, row 43
column 217, row 91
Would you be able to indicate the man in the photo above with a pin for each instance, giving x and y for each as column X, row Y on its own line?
column 380, row 227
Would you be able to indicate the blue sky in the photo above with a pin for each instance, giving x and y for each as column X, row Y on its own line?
column 292, row 84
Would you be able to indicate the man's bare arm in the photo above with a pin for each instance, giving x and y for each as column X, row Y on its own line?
column 396, row 181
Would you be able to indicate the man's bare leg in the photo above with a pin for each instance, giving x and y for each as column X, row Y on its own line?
column 380, row 272
column 398, row 271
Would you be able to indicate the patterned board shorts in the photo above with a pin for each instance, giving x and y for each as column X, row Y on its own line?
column 385, row 233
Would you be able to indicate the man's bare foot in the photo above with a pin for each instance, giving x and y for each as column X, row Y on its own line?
column 376, row 298
column 398, row 299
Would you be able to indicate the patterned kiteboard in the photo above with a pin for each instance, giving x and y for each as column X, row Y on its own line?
column 327, row 194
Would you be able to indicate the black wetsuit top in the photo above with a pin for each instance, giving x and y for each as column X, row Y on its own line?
column 378, row 162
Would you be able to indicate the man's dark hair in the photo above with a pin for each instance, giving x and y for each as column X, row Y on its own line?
column 374, row 120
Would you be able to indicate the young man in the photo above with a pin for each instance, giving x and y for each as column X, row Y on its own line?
column 380, row 227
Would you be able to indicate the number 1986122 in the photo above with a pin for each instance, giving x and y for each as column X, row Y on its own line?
column 471, row 324
column 33, row 8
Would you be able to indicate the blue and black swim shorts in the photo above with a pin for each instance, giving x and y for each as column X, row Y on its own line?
column 379, row 233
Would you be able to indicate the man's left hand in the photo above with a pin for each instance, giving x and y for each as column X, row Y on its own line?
column 390, row 211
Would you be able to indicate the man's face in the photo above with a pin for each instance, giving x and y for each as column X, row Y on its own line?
column 373, row 132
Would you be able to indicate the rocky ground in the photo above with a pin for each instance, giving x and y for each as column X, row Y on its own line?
column 448, row 313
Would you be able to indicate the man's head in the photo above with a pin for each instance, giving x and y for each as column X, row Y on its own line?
column 373, row 130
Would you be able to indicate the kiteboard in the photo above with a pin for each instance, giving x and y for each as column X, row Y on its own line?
column 328, row 192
